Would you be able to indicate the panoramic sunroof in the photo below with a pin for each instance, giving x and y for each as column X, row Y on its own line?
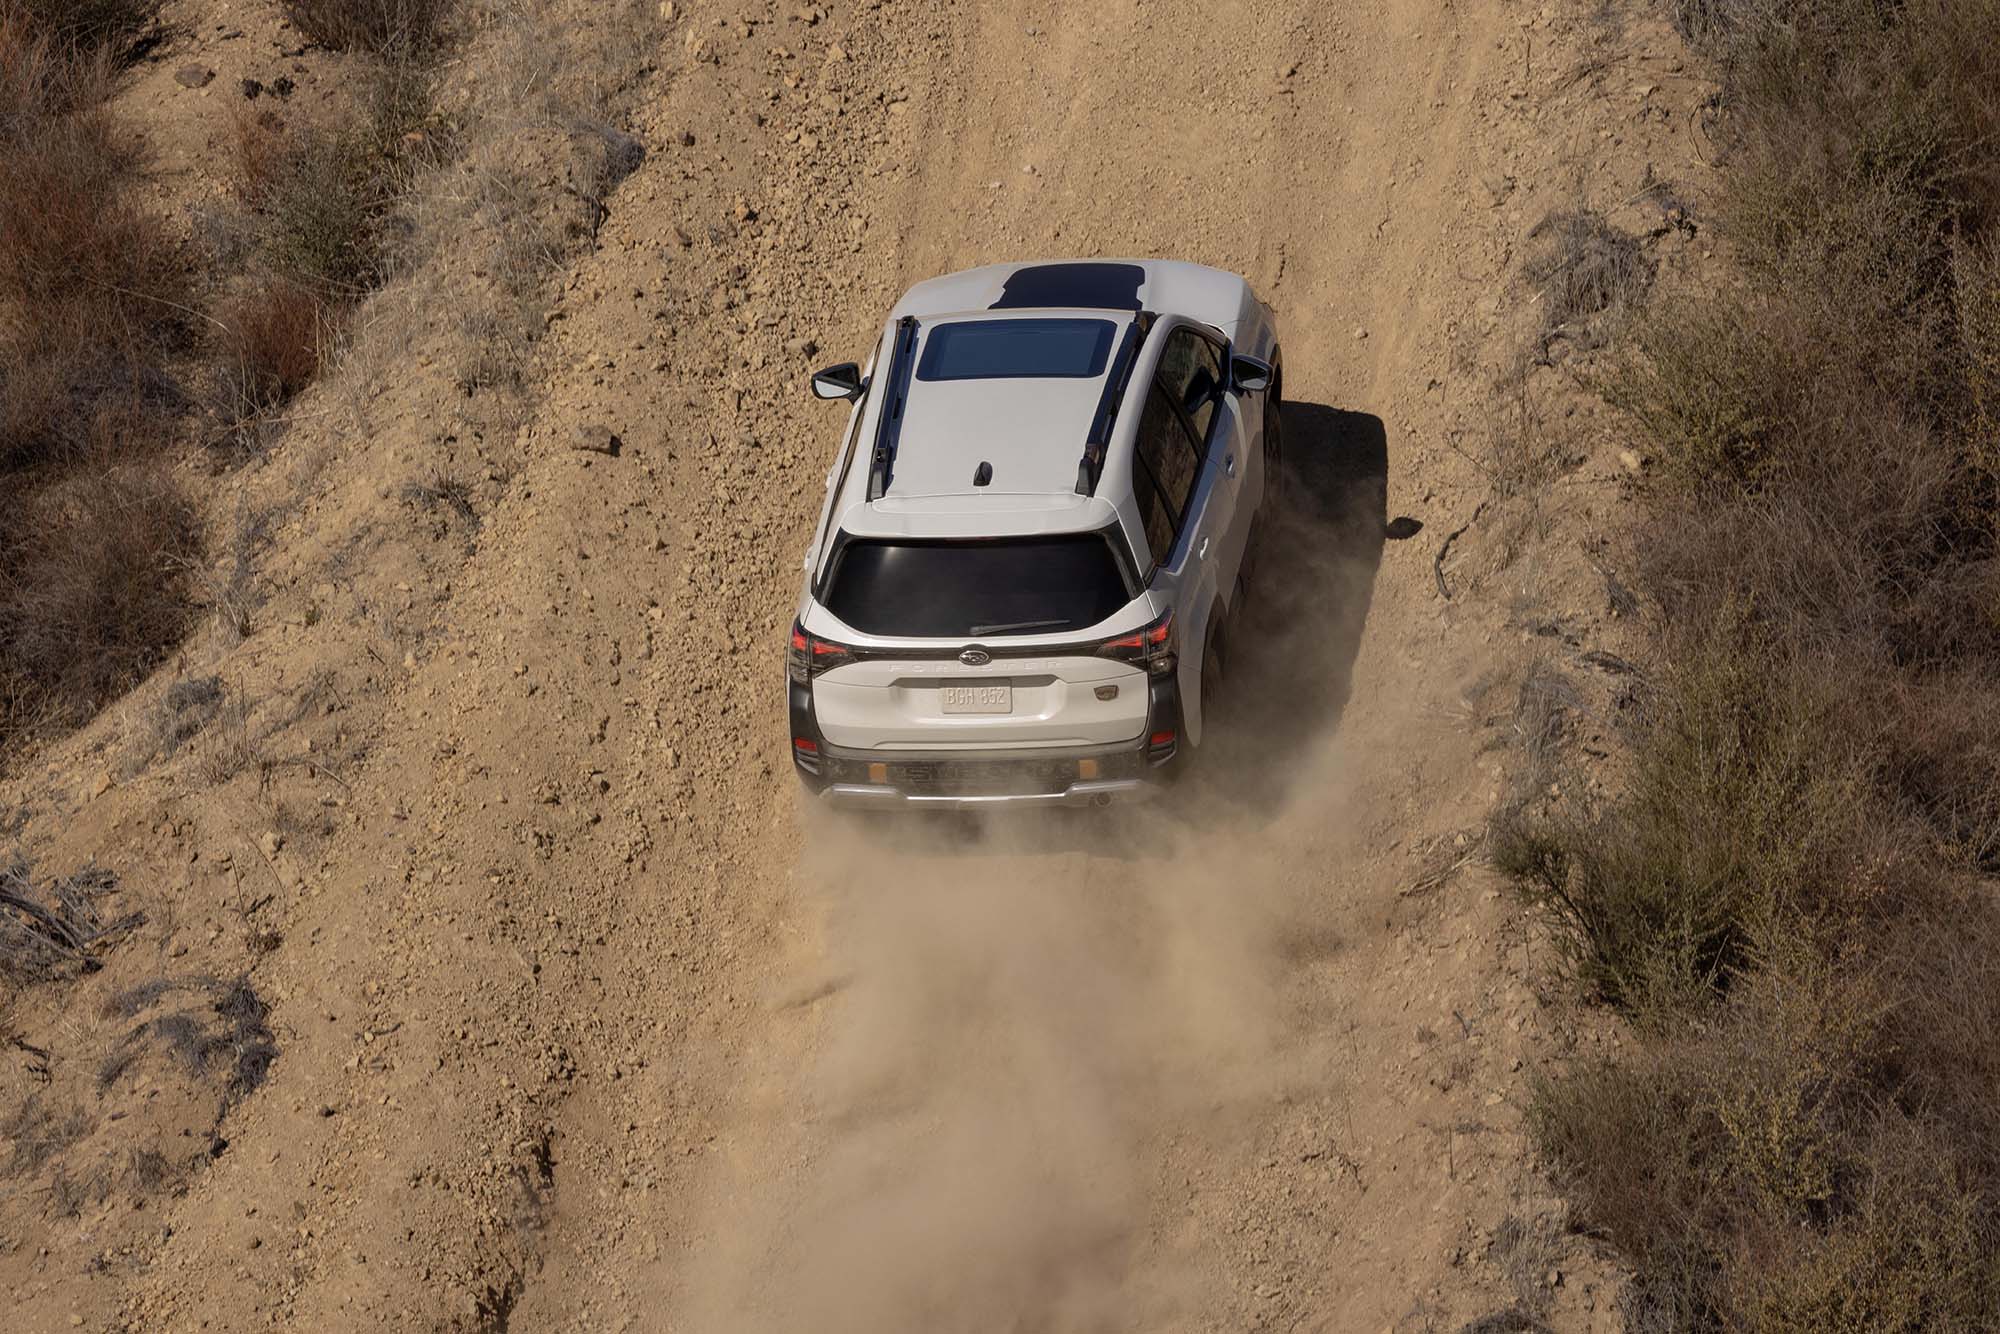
column 1016, row 349
column 1080, row 286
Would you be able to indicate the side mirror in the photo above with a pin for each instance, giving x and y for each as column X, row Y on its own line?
column 842, row 381
column 1248, row 375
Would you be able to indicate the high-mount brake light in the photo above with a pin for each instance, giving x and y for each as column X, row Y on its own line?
column 808, row 655
column 1151, row 647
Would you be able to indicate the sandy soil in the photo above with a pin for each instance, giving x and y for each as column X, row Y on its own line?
column 584, row 1022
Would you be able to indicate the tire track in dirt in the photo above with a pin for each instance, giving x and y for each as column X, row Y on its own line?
column 1209, row 1068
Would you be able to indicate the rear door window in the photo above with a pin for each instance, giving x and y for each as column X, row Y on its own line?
column 1191, row 373
column 1167, row 467
column 976, row 590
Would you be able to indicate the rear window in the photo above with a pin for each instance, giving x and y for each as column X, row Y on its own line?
column 975, row 590
column 1016, row 349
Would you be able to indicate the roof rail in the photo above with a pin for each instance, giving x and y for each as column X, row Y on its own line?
column 889, row 426
column 1094, row 444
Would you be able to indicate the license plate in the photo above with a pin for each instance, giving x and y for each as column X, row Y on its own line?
column 978, row 699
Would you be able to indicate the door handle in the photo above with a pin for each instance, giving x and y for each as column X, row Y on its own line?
column 1229, row 465
column 1201, row 552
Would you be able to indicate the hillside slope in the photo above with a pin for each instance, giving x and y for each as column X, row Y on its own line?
column 582, row 1022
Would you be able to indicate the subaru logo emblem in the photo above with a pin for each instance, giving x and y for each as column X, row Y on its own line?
column 975, row 657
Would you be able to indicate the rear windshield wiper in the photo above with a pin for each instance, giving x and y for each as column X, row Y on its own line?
column 1013, row 626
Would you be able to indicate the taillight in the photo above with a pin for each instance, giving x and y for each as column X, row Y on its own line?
column 1152, row 647
column 808, row 655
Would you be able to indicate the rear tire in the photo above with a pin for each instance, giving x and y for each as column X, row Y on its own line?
column 1213, row 663
column 1277, row 475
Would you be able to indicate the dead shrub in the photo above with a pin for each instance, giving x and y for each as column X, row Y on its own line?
column 320, row 216
column 38, row 1133
column 261, row 147
column 48, row 931
column 149, row 1170
column 273, row 343
column 400, row 132
column 89, row 284
column 92, row 589
column 1590, row 275
column 44, row 75
column 231, row 745
column 92, row 298
column 180, row 713
column 1783, row 1164
column 69, row 221
column 1976, row 295
column 1647, row 915
column 1710, row 390
column 108, row 26
column 441, row 492
column 226, row 1037
column 381, row 27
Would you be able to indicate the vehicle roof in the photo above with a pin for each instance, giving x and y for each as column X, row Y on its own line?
column 1031, row 430
column 1028, row 430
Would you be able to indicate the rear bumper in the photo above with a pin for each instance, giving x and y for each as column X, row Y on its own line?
column 869, row 797
column 1013, row 779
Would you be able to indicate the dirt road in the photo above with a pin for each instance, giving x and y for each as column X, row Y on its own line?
column 585, row 1023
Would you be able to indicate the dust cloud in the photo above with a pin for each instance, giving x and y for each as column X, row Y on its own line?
column 1014, row 1020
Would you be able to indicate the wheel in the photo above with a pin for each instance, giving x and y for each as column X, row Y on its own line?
column 1276, row 475
column 1212, row 664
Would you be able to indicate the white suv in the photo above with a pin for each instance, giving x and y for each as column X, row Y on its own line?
column 1039, row 521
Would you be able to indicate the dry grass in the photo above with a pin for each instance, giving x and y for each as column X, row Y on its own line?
column 274, row 340
column 175, row 718
column 96, row 305
column 108, row 26
column 92, row 589
column 89, row 285
column 1590, row 276
column 260, row 145
column 92, row 301
column 48, row 931
column 381, row 27
column 320, row 213
column 509, row 189
column 38, row 1134
column 1794, row 901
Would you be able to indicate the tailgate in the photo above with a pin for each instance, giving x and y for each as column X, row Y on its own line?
column 1011, row 703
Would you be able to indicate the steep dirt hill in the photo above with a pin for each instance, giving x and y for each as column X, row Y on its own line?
column 582, row 1022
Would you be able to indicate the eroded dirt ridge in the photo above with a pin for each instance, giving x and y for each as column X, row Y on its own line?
column 584, row 1023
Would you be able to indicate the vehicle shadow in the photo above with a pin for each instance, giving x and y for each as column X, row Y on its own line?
column 1288, row 654
column 1287, row 668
